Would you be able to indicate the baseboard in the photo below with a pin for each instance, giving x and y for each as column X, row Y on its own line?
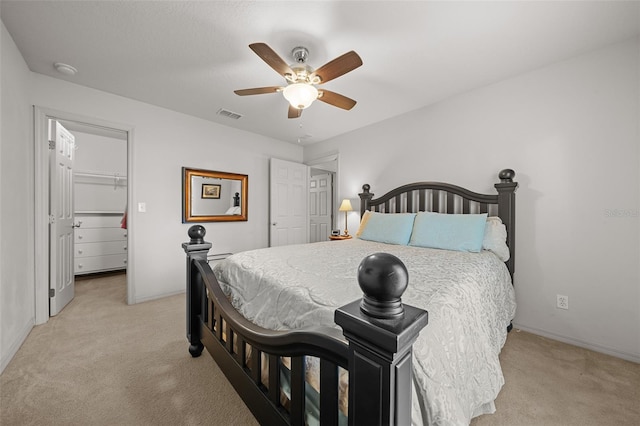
column 158, row 296
column 13, row 349
column 582, row 344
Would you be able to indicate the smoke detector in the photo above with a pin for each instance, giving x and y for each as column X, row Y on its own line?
column 65, row 68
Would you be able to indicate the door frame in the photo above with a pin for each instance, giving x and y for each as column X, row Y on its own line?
column 41, row 216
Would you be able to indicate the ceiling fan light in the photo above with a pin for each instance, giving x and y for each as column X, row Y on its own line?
column 300, row 95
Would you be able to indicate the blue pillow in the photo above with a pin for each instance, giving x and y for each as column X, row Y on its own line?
column 392, row 228
column 460, row 232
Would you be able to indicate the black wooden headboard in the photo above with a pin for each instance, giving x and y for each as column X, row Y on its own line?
column 447, row 198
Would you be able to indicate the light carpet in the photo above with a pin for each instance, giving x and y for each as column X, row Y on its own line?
column 102, row 362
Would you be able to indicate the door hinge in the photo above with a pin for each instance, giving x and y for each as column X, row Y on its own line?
column 52, row 219
column 52, row 144
column 52, row 292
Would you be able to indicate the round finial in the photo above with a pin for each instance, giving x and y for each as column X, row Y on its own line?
column 366, row 187
column 383, row 278
column 197, row 233
column 506, row 175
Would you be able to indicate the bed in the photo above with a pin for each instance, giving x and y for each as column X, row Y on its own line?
column 295, row 335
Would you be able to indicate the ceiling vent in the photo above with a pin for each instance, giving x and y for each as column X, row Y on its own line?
column 230, row 114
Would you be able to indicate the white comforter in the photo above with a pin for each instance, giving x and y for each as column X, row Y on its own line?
column 469, row 297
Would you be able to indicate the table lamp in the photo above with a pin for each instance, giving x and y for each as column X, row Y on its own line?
column 346, row 208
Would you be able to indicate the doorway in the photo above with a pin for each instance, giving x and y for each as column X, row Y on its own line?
column 93, row 190
column 323, row 182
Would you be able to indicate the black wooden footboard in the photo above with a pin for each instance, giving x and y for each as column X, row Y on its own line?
column 376, row 347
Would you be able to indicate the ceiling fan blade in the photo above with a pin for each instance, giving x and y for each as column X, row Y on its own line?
column 257, row 90
column 271, row 58
column 336, row 99
column 294, row 112
column 339, row 66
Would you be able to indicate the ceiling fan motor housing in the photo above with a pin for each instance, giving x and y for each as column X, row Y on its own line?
column 300, row 54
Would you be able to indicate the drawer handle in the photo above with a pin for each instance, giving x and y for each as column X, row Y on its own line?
column 125, row 247
column 79, row 251
column 124, row 261
column 80, row 266
column 125, row 234
column 79, row 237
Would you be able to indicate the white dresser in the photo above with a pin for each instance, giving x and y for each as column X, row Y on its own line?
column 100, row 244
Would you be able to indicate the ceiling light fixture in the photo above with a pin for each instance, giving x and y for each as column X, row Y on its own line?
column 65, row 69
column 300, row 95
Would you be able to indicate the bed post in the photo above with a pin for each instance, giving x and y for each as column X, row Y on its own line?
column 365, row 197
column 197, row 248
column 507, row 211
column 380, row 331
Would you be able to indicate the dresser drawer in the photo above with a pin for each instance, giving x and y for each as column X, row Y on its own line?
column 97, row 221
column 92, row 235
column 85, row 265
column 100, row 249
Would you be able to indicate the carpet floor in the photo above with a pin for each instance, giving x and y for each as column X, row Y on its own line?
column 102, row 362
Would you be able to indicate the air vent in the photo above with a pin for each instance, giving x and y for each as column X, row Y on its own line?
column 230, row 114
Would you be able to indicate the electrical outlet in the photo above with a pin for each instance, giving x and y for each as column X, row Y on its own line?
column 562, row 302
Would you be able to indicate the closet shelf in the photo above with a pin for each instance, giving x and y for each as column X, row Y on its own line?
column 100, row 175
column 114, row 179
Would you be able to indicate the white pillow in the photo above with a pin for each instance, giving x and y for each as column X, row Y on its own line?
column 495, row 238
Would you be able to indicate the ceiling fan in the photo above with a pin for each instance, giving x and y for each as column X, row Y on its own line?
column 302, row 80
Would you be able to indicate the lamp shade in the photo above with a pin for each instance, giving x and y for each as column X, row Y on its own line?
column 345, row 206
column 300, row 95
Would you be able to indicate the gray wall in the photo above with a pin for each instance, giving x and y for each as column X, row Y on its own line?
column 16, row 202
column 157, row 160
column 570, row 131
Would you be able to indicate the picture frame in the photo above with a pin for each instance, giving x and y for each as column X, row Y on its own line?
column 211, row 191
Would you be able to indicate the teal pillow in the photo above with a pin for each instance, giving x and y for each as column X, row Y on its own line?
column 460, row 232
column 392, row 228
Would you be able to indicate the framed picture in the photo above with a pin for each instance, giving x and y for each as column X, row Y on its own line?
column 210, row 191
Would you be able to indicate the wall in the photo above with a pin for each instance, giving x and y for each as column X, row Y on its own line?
column 570, row 131
column 99, row 155
column 16, row 202
column 163, row 142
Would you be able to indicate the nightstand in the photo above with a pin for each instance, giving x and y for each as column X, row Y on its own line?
column 339, row 237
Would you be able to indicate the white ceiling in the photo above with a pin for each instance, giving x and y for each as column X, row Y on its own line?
column 189, row 56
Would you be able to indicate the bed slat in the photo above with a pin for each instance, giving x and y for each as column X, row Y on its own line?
column 240, row 355
column 450, row 202
column 410, row 202
column 328, row 394
column 254, row 363
column 422, row 197
column 297, row 391
column 274, row 379
column 465, row 206
column 435, row 201
column 230, row 338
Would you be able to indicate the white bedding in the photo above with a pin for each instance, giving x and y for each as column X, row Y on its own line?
column 469, row 298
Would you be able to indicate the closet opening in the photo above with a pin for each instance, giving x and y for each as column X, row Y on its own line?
column 82, row 186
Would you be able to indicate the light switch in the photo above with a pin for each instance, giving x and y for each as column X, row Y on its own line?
column 142, row 207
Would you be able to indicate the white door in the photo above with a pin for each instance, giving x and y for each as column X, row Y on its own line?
column 288, row 210
column 61, row 278
column 320, row 207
